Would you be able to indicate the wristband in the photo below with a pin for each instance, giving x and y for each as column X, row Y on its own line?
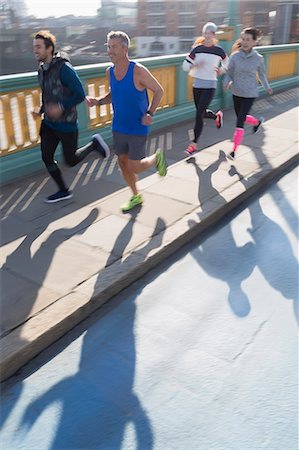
column 150, row 113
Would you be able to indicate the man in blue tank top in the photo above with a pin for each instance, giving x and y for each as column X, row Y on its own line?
column 132, row 113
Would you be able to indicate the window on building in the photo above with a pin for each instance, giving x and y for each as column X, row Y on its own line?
column 187, row 6
column 157, row 47
column 156, row 7
column 156, row 32
column 186, row 46
column 187, row 33
column 188, row 20
column 156, row 21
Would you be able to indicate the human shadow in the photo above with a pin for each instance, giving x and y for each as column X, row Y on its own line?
column 256, row 143
column 274, row 255
column 98, row 402
column 14, row 316
column 206, row 190
column 228, row 262
column 16, row 305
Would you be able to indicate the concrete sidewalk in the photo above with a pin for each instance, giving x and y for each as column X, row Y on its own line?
column 60, row 262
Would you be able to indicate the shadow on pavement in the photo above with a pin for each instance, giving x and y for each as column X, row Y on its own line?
column 100, row 396
column 274, row 255
column 232, row 268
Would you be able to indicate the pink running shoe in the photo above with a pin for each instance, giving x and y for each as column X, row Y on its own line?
column 191, row 149
column 219, row 119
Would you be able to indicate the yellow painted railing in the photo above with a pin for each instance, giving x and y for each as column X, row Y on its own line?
column 282, row 65
column 20, row 94
column 19, row 131
column 100, row 116
column 189, row 88
column 167, row 78
column 18, row 128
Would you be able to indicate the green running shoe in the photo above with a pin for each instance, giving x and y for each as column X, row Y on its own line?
column 135, row 200
column 161, row 163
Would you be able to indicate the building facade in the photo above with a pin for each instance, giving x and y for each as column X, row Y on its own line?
column 286, row 29
column 167, row 26
column 171, row 26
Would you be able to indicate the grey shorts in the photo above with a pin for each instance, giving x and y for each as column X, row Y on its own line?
column 134, row 145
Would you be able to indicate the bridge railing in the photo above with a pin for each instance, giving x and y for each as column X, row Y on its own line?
column 19, row 94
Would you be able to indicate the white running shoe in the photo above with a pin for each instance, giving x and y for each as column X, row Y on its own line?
column 101, row 146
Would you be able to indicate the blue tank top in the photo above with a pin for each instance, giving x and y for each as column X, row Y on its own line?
column 129, row 104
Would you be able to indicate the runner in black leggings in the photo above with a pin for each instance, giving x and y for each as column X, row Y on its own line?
column 62, row 91
column 244, row 66
column 203, row 64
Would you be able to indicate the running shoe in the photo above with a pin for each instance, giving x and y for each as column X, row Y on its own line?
column 256, row 128
column 231, row 155
column 101, row 146
column 191, row 149
column 161, row 163
column 135, row 200
column 219, row 119
column 59, row 196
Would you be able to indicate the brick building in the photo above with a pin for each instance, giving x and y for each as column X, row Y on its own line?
column 171, row 26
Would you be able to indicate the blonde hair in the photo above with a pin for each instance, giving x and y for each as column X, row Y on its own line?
column 201, row 39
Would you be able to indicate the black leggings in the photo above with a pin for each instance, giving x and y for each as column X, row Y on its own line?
column 242, row 107
column 49, row 141
column 202, row 99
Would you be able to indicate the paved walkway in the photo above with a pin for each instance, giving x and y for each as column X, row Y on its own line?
column 60, row 262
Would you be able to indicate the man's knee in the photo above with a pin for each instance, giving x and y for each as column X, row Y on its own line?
column 123, row 162
column 70, row 160
column 135, row 166
column 51, row 166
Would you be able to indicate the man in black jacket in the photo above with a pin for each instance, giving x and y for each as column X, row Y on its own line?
column 62, row 91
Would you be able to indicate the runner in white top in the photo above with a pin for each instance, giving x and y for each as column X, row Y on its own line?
column 205, row 62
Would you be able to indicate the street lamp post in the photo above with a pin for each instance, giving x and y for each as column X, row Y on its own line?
column 228, row 33
column 232, row 12
column 234, row 17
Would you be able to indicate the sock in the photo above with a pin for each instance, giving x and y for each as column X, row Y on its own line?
column 238, row 137
column 251, row 120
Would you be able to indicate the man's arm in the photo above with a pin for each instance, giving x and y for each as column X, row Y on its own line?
column 105, row 99
column 70, row 79
column 146, row 80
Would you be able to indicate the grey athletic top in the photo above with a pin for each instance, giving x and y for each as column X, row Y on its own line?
column 242, row 70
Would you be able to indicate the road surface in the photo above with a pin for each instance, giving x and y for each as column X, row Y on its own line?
column 201, row 354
